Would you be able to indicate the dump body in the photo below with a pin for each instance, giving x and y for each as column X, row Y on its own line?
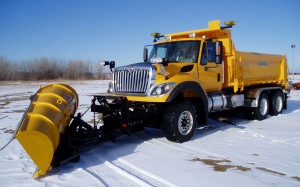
column 255, row 69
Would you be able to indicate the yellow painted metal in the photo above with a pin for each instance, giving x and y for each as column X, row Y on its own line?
column 213, row 31
column 206, row 76
column 239, row 69
column 260, row 69
column 230, row 23
column 46, row 118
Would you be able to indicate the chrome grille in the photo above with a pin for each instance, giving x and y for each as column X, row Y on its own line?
column 131, row 81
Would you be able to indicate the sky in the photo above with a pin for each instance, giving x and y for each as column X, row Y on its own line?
column 97, row 30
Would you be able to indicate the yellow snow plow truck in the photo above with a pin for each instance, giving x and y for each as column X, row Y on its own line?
column 185, row 77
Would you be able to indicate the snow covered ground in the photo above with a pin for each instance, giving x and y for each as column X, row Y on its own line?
column 252, row 153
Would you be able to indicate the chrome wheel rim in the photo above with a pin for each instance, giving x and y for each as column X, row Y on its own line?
column 263, row 106
column 278, row 103
column 185, row 122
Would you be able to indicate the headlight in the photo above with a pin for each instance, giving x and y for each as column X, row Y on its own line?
column 162, row 88
column 110, row 88
column 158, row 91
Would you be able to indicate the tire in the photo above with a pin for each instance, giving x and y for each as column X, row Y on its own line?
column 262, row 110
column 276, row 103
column 180, row 121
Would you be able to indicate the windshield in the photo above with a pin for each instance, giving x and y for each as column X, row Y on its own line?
column 184, row 51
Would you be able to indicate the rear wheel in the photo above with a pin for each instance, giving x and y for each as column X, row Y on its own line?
column 262, row 110
column 276, row 103
column 180, row 121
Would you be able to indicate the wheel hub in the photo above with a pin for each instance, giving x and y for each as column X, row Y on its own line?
column 185, row 122
column 263, row 106
column 278, row 104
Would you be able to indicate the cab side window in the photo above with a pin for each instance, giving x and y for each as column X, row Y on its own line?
column 203, row 55
column 211, row 51
column 208, row 53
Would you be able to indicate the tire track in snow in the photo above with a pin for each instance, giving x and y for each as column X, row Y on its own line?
column 146, row 173
column 110, row 174
column 90, row 165
column 122, row 169
column 91, row 172
column 147, row 177
column 176, row 147
column 126, row 174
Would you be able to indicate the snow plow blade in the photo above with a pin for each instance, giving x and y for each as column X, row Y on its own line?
column 49, row 113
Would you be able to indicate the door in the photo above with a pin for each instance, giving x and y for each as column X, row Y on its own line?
column 210, row 73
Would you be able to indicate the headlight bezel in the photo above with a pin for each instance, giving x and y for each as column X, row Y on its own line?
column 162, row 89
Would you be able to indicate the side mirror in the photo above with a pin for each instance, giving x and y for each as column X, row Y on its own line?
column 145, row 54
column 219, row 52
column 110, row 63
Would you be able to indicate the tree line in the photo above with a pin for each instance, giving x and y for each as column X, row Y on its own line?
column 48, row 69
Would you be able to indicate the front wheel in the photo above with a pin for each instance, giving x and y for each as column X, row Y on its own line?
column 180, row 121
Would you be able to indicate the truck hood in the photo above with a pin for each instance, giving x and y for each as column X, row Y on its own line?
column 136, row 66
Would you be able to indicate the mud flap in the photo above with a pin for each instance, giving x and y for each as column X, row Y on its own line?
column 46, row 118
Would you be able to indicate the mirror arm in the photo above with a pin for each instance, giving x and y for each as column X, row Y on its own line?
column 112, row 65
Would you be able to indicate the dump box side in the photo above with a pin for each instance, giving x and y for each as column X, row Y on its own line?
column 261, row 69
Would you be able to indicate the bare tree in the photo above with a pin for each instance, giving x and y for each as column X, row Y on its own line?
column 44, row 69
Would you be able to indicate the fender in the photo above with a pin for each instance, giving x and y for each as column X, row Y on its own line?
column 200, row 98
column 252, row 95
